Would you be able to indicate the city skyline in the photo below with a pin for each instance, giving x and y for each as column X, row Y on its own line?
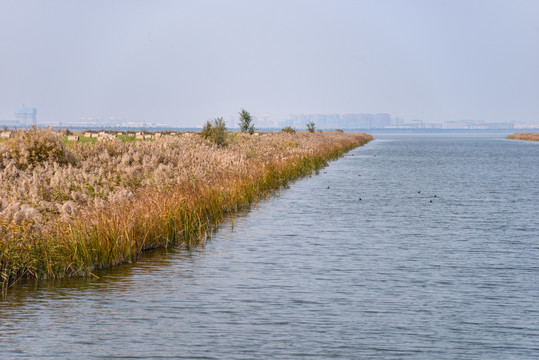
column 25, row 117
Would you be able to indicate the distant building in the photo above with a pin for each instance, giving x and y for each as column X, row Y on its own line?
column 358, row 121
column 380, row 121
column 26, row 116
column 463, row 124
column 264, row 121
column 476, row 125
column 501, row 125
column 526, row 126
column 337, row 121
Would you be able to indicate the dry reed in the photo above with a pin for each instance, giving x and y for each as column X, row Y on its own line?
column 67, row 211
column 525, row 136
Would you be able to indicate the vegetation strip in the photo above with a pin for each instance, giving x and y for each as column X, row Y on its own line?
column 67, row 210
column 525, row 136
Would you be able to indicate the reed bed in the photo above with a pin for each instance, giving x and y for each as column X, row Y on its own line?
column 525, row 136
column 67, row 211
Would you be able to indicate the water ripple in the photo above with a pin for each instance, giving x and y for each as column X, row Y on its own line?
column 423, row 246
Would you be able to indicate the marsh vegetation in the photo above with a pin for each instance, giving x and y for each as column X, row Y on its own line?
column 68, row 208
column 530, row 136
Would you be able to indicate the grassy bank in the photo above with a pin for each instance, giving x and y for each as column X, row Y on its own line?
column 68, row 210
column 525, row 136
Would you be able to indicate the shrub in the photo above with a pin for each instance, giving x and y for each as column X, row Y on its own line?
column 207, row 130
column 310, row 126
column 289, row 129
column 34, row 147
column 245, row 122
column 215, row 131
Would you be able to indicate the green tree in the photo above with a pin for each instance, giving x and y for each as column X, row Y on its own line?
column 310, row 126
column 215, row 131
column 245, row 122
column 207, row 130
column 289, row 129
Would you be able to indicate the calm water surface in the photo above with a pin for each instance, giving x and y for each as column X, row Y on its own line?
column 419, row 246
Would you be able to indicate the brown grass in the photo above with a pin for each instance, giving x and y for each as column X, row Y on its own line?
column 111, row 201
column 525, row 136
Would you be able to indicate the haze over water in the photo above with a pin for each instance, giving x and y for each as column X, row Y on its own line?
column 183, row 62
column 415, row 246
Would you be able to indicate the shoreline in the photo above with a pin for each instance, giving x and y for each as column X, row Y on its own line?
column 527, row 136
column 179, row 192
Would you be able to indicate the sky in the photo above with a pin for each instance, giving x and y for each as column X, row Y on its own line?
column 184, row 62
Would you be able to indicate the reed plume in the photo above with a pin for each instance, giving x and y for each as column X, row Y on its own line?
column 68, row 210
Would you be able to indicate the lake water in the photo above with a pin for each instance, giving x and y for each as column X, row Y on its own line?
column 415, row 246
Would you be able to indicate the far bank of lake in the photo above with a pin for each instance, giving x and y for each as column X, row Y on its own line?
column 529, row 136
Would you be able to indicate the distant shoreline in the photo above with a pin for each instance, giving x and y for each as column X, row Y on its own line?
column 528, row 136
column 75, row 127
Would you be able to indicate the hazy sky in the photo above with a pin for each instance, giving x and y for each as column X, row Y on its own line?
column 183, row 62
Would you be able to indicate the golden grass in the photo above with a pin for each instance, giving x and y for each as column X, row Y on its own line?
column 525, row 136
column 111, row 201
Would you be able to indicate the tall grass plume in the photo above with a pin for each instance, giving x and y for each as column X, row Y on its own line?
column 67, row 211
